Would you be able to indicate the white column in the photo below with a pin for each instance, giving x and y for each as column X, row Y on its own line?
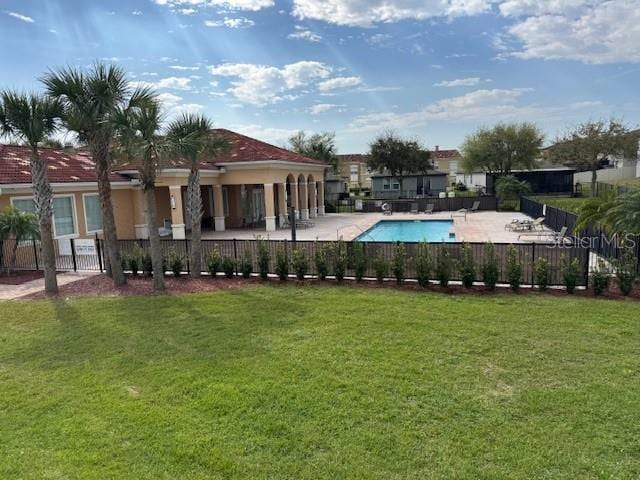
column 304, row 201
column 269, row 208
column 313, row 197
column 294, row 199
column 218, row 208
column 140, row 225
column 177, row 215
column 282, row 202
column 320, row 198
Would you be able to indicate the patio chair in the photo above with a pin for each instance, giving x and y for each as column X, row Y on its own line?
column 547, row 236
column 429, row 208
column 304, row 223
column 523, row 225
column 166, row 229
column 386, row 209
column 463, row 211
column 414, row 208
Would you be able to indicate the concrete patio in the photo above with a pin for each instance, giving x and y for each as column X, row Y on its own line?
column 476, row 227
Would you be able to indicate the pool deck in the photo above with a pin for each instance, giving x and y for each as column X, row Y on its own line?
column 476, row 227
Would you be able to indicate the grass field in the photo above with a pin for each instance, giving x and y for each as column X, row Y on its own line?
column 320, row 383
column 570, row 204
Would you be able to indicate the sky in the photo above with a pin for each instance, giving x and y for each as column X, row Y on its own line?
column 433, row 70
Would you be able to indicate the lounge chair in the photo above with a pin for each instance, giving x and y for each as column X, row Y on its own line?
column 429, row 208
column 463, row 211
column 414, row 208
column 547, row 236
column 304, row 223
column 524, row 225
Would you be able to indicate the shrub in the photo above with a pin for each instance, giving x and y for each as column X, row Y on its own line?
column 626, row 273
column 299, row 263
column 467, row 266
column 399, row 262
column 490, row 271
column 174, row 262
column 339, row 261
column 514, row 268
column 542, row 273
column 443, row 267
column 320, row 258
column 600, row 278
column 282, row 263
column 381, row 266
column 359, row 261
column 229, row 266
column 124, row 261
column 423, row 264
column 146, row 264
column 570, row 273
column 263, row 259
column 134, row 264
column 246, row 265
column 214, row 262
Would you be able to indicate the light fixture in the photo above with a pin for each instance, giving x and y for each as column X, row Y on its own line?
column 173, row 202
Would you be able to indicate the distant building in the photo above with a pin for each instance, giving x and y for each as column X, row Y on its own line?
column 355, row 172
column 447, row 161
column 385, row 185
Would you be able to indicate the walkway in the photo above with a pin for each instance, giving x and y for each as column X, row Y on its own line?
column 12, row 292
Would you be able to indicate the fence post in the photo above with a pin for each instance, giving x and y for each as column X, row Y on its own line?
column 586, row 267
column 35, row 253
column 73, row 254
column 99, row 252
column 533, row 264
column 186, row 250
column 235, row 255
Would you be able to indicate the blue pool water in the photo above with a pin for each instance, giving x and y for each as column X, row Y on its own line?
column 409, row 231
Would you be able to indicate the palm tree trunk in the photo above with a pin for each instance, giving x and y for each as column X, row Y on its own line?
column 103, row 170
column 43, row 197
column 594, row 182
column 154, row 238
column 194, row 210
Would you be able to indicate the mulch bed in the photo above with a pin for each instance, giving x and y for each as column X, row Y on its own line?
column 19, row 277
column 101, row 285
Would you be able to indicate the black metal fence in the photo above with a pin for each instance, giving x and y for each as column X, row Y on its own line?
column 598, row 241
column 88, row 259
column 447, row 204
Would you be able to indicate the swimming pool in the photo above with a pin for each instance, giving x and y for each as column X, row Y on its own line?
column 409, row 231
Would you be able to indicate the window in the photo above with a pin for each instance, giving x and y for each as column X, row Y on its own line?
column 354, row 169
column 64, row 215
column 396, row 186
column 92, row 212
column 386, row 184
column 436, row 164
column 453, row 166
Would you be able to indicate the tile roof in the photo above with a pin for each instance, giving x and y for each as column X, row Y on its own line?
column 63, row 166
column 444, row 154
column 247, row 149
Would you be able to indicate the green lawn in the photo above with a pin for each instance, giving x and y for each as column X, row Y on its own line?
column 570, row 204
column 320, row 382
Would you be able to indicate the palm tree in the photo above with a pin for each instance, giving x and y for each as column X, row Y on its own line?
column 625, row 213
column 139, row 142
column 190, row 138
column 32, row 118
column 90, row 100
column 20, row 226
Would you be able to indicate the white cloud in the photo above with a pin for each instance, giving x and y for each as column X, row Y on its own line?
column 277, row 136
column 606, row 32
column 319, row 108
column 477, row 105
column 230, row 23
column 303, row 34
column 169, row 99
column 459, row 82
column 188, row 108
column 364, row 13
column 175, row 83
column 515, row 8
column 183, row 68
column 253, row 5
column 21, row 17
column 262, row 85
column 339, row 82
column 187, row 11
column 136, row 12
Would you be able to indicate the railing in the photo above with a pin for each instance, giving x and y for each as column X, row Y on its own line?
column 238, row 250
column 448, row 204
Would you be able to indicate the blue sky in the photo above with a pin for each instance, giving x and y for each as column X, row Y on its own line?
column 431, row 69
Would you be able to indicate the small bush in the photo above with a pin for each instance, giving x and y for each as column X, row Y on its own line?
column 229, row 266
column 443, row 267
column 514, row 268
column 146, row 264
column 134, row 265
column 423, row 264
column 246, row 265
column 263, row 259
column 381, row 267
column 542, row 273
column 467, row 266
column 299, row 263
column 282, row 263
column 600, row 278
column 320, row 259
column 214, row 261
column 174, row 262
column 626, row 273
column 570, row 273
column 124, row 261
column 399, row 262
column 490, row 271
column 359, row 261
column 340, row 260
